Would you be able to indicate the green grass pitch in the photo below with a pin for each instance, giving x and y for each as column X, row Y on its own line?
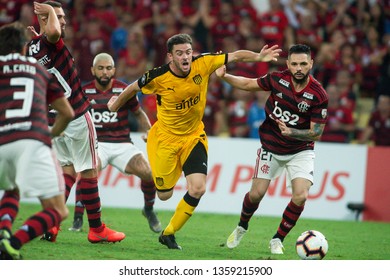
column 204, row 237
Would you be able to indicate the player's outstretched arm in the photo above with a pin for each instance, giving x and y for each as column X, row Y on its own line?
column 266, row 54
column 237, row 81
column 117, row 102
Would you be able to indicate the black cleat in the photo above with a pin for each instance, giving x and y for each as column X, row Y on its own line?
column 77, row 223
column 169, row 241
column 154, row 223
column 51, row 234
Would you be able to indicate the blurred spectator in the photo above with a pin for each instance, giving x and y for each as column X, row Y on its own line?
column 340, row 125
column 373, row 52
column 256, row 113
column 244, row 9
column 70, row 41
column 384, row 78
column 307, row 33
column 27, row 17
column 143, row 17
column 103, row 10
column 237, row 112
column 247, row 27
column 132, row 62
column 293, row 10
column 386, row 8
column 374, row 15
column 348, row 60
column 11, row 10
column 274, row 28
column 377, row 131
column 344, row 82
column 352, row 33
column 197, row 15
column 224, row 24
column 335, row 15
column 90, row 41
column 326, row 57
column 119, row 35
column 166, row 26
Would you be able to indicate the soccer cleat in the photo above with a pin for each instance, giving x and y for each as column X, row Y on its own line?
column 8, row 252
column 169, row 241
column 77, row 223
column 4, row 234
column 154, row 223
column 276, row 246
column 51, row 234
column 107, row 235
column 235, row 237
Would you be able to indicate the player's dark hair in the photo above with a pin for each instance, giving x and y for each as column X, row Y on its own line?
column 177, row 40
column 299, row 48
column 54, row 4
column 13, row 38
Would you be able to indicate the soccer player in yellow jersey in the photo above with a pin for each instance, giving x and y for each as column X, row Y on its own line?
column 177, row 141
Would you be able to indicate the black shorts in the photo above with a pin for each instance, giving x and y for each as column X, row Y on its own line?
column 196, row 161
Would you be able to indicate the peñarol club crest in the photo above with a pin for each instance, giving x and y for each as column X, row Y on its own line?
column 159, row 181
column 197, row 79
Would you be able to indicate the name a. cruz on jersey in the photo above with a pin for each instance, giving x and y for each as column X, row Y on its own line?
column 19, row 68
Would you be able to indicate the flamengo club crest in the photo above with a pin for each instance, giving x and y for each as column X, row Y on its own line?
column 303, row 106
column 265, row 169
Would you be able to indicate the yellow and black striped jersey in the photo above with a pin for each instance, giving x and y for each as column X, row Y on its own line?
column 181, row 101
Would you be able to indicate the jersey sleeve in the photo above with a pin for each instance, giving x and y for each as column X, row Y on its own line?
column 320, row 112
column 265, row 82
column 213, row 61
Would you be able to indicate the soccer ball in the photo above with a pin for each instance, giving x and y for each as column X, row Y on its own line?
column 311, row 245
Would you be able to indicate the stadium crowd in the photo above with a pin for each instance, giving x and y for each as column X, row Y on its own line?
column 349, row 39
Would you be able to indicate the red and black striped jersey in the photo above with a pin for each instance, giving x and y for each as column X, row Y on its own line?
column 111, row 127
column 296, row 109
column 59, row 61
column 26, row 89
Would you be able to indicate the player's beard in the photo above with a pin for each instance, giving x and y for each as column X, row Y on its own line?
column 300, row 80
column 103, row 82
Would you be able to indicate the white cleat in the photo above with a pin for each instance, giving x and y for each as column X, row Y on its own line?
column 276, row 246
column 235, row 237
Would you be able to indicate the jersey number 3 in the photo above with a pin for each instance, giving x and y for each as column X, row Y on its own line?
column 26, row 96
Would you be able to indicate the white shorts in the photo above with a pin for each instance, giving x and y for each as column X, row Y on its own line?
column 79, row 144
column 299, row 165
column 32, row 167
column 117, row 154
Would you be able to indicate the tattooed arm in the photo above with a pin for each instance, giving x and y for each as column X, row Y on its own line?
column 312, row 134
